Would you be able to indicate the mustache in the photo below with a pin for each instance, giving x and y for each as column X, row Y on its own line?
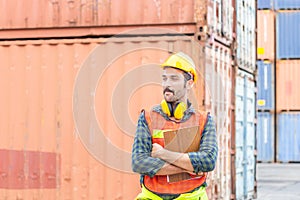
column 168, row 90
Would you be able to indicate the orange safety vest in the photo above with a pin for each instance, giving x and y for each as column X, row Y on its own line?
column 159, row 183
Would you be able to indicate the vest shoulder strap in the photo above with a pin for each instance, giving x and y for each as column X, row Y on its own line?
column 148, row 120
column 203, row 116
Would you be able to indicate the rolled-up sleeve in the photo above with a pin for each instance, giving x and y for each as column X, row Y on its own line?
column 205, row 159
column 141, row 160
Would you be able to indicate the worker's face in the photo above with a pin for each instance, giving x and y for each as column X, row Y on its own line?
column 175, row 88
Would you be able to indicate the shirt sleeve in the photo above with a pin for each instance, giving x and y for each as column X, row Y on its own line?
column 141, row 160
column 205, row 159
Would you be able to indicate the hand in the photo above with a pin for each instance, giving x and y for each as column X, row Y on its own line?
column 157, row 150
column 192, row 173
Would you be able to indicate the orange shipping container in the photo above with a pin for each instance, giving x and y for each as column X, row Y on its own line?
column 75, row 18
column 265, row 35
column 76, row 13
column 287, row 83
column 57, row 151
column 218, row 76
column 35, row 18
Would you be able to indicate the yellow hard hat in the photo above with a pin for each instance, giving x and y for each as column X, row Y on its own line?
column 183, row 62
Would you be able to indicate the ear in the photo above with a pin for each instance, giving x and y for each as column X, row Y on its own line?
column 190, row 84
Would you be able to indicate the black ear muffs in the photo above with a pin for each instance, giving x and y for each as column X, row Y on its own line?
column 178, row 112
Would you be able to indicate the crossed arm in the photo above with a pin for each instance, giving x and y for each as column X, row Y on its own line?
column 175, row 162
column 151, row 159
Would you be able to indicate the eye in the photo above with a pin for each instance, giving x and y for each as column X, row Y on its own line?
column 174, row 78
column 164, row 78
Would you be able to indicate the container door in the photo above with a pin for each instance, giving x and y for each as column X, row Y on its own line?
column 218, row 74
column 265, row 137
column 288, row 144
column 265, row 86
column 244, row 136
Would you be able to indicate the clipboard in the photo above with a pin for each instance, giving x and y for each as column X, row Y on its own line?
column 182, row 140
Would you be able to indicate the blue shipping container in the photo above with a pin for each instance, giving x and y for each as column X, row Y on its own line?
column 264, row 4
column 288, row 144
column 286, row 4
column 265, row 137
column 265, row 85
column 288, row 31
column 244, row 136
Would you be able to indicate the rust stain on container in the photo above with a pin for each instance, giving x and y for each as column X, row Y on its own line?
column 29, row 169
column 265, row 34
column 287, row 82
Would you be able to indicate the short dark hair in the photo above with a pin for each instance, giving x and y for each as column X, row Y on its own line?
column 187, row 76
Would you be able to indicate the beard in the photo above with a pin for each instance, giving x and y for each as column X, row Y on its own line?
column 170, row 95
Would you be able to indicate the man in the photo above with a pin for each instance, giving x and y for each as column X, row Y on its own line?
column 152, row 160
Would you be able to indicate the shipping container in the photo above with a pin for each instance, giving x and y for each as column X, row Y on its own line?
column 286, row 4
column 265, row 85
column 75, row 18
column 44, row 19
column 245, row 136
column 287, row 33
column 265, row 35
column 287, row 83
column 227, row 19
column 265, row 4
column 245, row 35
column 288, row 135
column 265, row 137
column 54, row 14
column 220, row 19
column 69, row 109
column 218, row 76
column 278, row 4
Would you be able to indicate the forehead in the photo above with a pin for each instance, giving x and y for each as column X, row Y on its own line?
column 172, row 71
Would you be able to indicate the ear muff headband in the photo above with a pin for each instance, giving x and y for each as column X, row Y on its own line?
column 178, row 112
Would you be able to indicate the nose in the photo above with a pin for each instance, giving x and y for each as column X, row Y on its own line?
column 166, row 83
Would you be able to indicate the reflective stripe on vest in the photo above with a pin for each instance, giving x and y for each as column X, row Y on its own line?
column 196, row 195
column 156, row 124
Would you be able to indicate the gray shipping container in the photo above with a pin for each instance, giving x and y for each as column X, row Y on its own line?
column 245, row 162
column 245, row 34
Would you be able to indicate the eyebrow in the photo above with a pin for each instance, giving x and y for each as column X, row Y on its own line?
column 172, row 75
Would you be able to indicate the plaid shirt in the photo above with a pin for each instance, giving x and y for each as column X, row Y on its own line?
column 203, row 160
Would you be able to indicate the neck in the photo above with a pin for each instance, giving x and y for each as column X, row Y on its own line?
column 184, row 100
column 187, row 103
